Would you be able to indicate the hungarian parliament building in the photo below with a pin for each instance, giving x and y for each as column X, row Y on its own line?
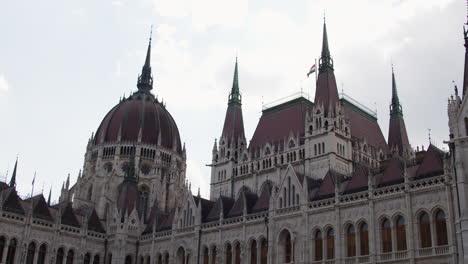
column 317, row 183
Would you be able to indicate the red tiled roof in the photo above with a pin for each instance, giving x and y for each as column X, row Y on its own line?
column 136, row 113
column 127, row 200
column 397, row 136
column 233, row 123
column 12, row 202
column 246, row 198
column 94, row 224
column 263, row 202
column 69, row 216
column 326, row 93
column 327, row 188
column 277, row 122
column 365, row 127
column 432, row 163
column 393, row 173
column 167, row 222
column 223, row 203
column 358, row 180
column 40, row 208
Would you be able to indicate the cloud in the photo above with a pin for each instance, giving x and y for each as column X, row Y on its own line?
column 117, row 3
column 197, row 178
column 204, row 13
column 4, row 86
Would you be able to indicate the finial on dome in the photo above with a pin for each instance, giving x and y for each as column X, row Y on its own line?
column 145, row 80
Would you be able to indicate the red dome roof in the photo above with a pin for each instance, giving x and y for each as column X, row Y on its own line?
column 139, row 113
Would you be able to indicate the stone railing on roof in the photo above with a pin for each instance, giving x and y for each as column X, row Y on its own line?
column 389, row 190
column 13, row 216
column 285, row 99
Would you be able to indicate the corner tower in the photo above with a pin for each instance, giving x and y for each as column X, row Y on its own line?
column 458, row 126
column 232, row 143
column 328, row 136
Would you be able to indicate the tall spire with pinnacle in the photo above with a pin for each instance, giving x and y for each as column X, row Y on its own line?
column 145, row 80
column 235, row 96
column 397, row 135
column 465, row 77
column 233, row 129
column 13, row 175
column 326, row 94
column 395, row 106
column 326, row 62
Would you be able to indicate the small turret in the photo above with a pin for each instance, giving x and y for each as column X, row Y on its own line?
column 13, row 175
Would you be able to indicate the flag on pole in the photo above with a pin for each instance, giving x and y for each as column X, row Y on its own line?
column 312, row 69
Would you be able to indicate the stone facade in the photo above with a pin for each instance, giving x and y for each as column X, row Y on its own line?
column 317, row 184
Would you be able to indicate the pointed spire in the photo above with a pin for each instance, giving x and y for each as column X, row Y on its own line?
column 145, row 80
column 395, row 107
column 13, row 175
column 326, row 61
column 67, row 185
column 326, row 94
column 50, row 195
column 397, row 135
column 215, row 145
column 235, row 96
column 465, row 77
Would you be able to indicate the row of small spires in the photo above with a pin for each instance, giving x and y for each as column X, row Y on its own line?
column 12, row 183
column 123, row 98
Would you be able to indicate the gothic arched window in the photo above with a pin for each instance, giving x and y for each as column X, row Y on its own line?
column 128, row 259
column 96, row 259
column 70, row 256
column 425, row 230
column 31, row 253
column 287, row 248
column 87, row 258
column 253, row 252
column 2, row 246
column 330, row 244
column 237, row 253
column 60, row 255
column 264, row 251
column 10, row 258
column 318, row 239
column 364, row 239
column 213, row 255
column 386, row 236
column 400, row 233
column 42, row 254
column 205, row 256
column 441, row 228
column 144, row 193
column 351, row 241
column 228, row 254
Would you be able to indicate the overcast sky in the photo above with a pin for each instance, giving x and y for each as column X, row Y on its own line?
column 64, row 65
